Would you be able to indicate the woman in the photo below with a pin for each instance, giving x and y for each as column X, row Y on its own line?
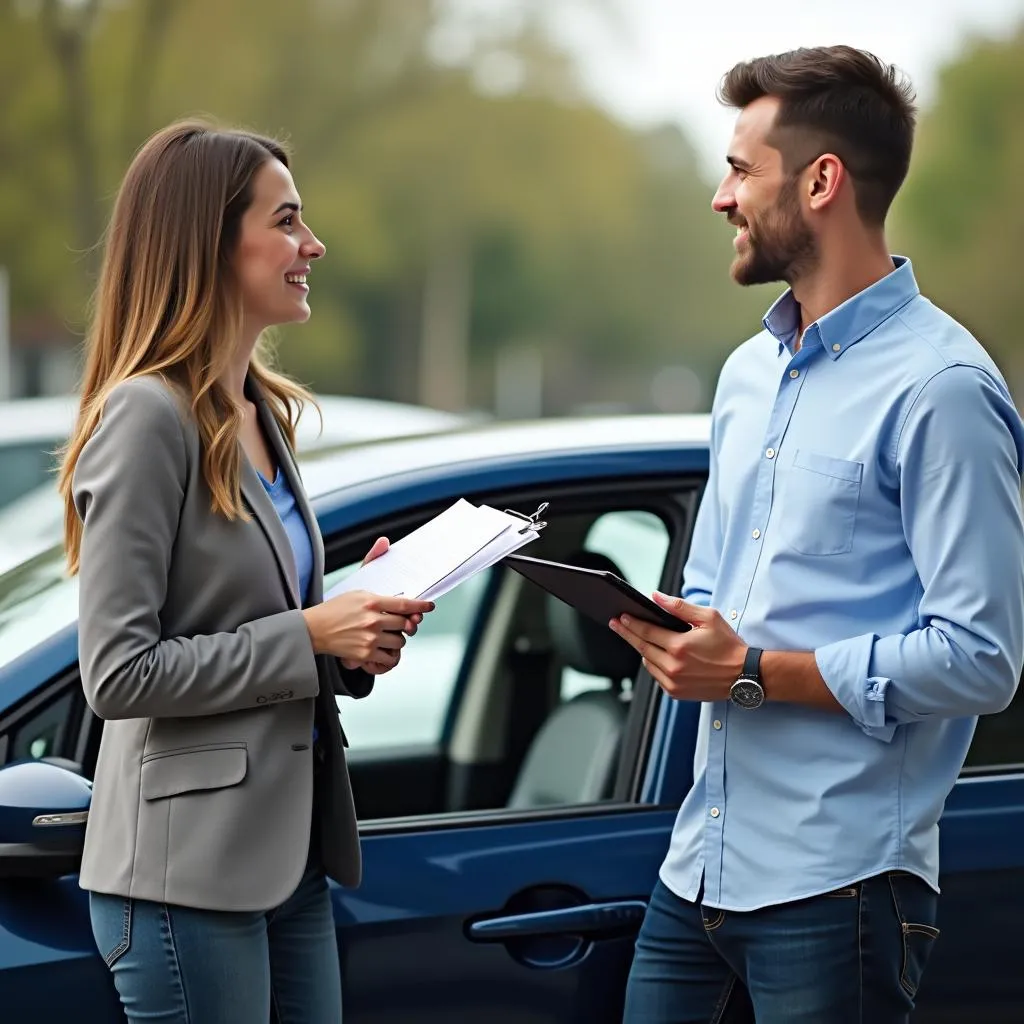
column 221, row 798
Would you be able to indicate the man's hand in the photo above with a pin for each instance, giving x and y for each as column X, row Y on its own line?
column 701, row 664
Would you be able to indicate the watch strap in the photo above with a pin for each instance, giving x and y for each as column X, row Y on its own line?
column 752, row 664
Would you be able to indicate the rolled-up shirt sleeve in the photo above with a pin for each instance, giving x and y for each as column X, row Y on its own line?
column 958, row 458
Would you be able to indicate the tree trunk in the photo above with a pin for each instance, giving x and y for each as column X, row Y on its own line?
column 155, row 17
column 444, row 351
column 68, row 32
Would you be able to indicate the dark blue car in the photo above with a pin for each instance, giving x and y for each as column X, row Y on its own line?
column 516, row 777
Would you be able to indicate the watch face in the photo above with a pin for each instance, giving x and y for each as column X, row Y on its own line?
column 746, row 693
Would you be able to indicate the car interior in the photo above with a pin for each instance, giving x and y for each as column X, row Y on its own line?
column 542, row 698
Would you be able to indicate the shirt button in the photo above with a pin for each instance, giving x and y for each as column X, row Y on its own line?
column 756, row 534
column 794, row 374
column 836, row 347
column 733, row 614
column 715, row 812
column 717, row 723
column 770, row 453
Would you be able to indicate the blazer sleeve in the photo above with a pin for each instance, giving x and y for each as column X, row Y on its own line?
column 128, row 486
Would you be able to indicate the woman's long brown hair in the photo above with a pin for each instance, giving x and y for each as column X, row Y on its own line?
column 166, row 302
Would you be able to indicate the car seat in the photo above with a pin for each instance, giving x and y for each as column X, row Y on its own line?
column 574, row 755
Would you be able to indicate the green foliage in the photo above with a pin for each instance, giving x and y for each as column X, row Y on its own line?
column 468, row 202
column 961, row 213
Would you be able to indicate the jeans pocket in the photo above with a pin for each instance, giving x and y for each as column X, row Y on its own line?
column 712, row 917
column 111, row 925
column 847, row 892
column 917, row 910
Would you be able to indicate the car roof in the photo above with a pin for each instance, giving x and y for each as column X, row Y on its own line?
column 44, row 420
column 330, row 469
column 350, row 419
column 50, row 420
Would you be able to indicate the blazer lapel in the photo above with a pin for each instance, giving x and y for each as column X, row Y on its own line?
column 286, row 460
column 262, row 508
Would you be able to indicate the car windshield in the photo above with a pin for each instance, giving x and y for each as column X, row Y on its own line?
column 37, row 600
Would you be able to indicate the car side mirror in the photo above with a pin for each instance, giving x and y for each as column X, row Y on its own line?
column 44, row 806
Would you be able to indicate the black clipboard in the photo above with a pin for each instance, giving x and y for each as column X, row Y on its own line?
column 598, row 594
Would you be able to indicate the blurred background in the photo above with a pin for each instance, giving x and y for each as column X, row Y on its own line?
column 514, row 194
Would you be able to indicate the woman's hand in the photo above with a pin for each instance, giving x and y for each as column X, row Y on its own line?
column 385, row 658
column 380, row 546
column 364, row 629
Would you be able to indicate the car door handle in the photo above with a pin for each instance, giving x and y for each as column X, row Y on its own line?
column 589, row 919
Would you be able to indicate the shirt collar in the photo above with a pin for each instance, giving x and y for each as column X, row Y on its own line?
column 847, row 324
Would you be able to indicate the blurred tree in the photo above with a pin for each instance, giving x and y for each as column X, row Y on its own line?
column 474, row 202
column 961, row 213
column 76, row 82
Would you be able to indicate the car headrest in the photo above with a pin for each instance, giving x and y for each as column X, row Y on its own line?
column 583, row 644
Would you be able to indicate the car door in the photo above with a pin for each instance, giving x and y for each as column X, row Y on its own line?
column 974, row 973
column 476, row 904
column 50, row 972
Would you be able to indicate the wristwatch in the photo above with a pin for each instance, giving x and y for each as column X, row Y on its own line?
column 747, row 692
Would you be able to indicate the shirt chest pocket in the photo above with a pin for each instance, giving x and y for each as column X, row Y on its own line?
column 819, row 504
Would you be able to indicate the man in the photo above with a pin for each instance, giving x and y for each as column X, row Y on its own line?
column 855, row 583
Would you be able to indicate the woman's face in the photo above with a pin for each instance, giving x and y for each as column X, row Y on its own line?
column 274, row 252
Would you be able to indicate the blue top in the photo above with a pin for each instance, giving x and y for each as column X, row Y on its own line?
column 863, row 503
column 295, row 526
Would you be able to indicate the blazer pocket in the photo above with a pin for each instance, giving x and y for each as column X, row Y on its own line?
column 819, row 506
column 173, row 772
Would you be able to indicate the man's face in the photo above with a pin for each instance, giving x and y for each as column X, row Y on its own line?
column 773, row 241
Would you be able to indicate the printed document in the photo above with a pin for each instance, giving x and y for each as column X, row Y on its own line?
column 453, row 546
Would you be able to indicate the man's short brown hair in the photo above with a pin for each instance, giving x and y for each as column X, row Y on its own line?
column 835, row 99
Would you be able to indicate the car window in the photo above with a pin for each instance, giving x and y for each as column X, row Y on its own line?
column 37, row 600
column 508, row 699
column 25, row 466
column 637, row 542
column 42, row 734
column 409, row 704
column 999, row 739
column 48, row 728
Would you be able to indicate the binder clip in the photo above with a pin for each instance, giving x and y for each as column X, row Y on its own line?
column 533, row 522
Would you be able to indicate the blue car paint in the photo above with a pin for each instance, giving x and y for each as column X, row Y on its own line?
column 352, row 505
column 27, row 785
column 406, row 935
column 23, row 676
column 422, row 889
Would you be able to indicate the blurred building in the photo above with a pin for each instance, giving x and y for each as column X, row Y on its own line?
column 42, row 358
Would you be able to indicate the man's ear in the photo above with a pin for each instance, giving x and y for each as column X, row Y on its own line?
column 825, row 179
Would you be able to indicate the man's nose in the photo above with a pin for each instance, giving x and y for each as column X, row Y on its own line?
column 724, row 200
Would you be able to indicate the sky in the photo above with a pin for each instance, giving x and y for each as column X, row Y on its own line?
column 665, row 58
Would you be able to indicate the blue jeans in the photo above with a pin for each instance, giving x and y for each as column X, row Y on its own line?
column 853, row 956
column 183, row 966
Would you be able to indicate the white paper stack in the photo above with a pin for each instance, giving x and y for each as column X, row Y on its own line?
column 460, row 542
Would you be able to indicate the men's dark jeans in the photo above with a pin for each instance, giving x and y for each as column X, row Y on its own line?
column 853, row 956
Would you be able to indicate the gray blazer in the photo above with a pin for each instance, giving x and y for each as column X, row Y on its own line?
column 194, row 650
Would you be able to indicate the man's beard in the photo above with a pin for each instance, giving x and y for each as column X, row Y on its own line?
column 783, row 247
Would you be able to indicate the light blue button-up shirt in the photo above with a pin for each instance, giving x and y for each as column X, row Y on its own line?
column 281, row 495
column 863, row 503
